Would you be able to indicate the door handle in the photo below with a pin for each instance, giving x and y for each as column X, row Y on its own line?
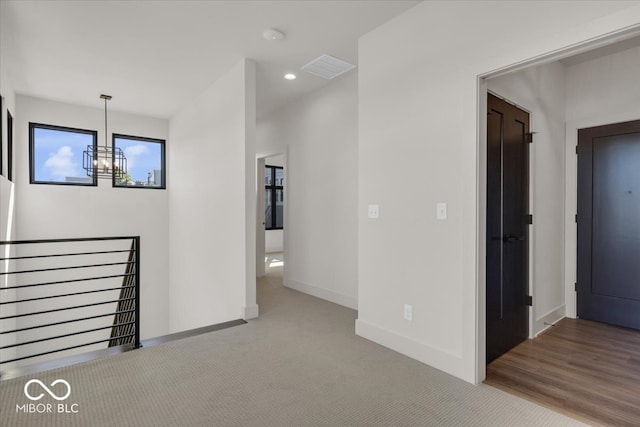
column 508, row 238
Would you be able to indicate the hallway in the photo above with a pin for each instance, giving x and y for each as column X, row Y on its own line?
column 299, row 363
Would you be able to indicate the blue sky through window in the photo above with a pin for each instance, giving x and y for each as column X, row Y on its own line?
column 57, row 154
column 143, row 157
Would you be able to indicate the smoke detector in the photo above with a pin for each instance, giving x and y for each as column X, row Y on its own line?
column 328, row 67
column 272, row 34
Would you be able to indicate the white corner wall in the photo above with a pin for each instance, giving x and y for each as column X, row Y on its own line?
column 7, row 214
column 600, row 91
column 318, row 133
column 274, row 241
column 418, row 145
column 58, row 211
column 540, row 91
column 212, row 204
column 7, row 219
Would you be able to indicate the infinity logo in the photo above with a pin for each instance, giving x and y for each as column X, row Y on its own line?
column 45, row 388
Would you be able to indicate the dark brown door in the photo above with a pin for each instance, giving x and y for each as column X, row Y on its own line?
column 507, row 226
column 609, row 224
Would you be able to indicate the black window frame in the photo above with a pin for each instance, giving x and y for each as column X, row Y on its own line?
column 1, row 138
column 163, row 160
column 273, row 187
column 32, row 127
column 9, row 146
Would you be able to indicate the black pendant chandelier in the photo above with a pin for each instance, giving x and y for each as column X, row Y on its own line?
column 105, row 161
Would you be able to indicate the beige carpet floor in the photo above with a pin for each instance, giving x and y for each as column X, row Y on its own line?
column 299, row 364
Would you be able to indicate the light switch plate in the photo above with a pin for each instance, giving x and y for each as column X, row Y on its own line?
column 373, row 211
column 441, row 211
column 408, row 312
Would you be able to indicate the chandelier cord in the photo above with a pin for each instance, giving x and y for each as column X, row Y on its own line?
column 105, row 122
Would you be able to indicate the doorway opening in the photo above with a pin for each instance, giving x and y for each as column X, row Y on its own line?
column 590, row 89
column 273, row 214
column 270, row 227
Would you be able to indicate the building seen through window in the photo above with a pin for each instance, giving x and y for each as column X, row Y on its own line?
column 145, row 161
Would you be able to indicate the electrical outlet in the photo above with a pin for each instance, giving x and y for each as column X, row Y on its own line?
column 408, row 312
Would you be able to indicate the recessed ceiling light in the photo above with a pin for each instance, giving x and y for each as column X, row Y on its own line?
column 271, row 34
column 290, row 76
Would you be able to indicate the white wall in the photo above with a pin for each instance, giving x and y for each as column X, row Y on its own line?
column 418, row 145
column 600, row 91
column 274, row 241
column 540, row 91
column 277, row 160
column 7, row 212
column 212, row 204
column 7, row 220
column 318, row 133
column 7, row 232
column 58, row 211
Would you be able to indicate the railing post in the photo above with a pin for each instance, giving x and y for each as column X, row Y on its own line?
column 137, row 289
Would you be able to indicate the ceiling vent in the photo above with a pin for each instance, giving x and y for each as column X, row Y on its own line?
column 328, row 67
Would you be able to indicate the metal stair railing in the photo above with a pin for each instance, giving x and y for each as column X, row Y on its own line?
column 61, row 295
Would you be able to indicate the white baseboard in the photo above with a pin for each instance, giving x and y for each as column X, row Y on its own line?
column 548, row 319
column 323, row 293
column 250, row 312
column 442, row 360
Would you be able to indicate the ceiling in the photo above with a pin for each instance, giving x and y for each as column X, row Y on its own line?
column 154, row 57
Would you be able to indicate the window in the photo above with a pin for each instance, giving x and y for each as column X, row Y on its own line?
column 273, row 197
column 9, row 146
column 55, row 154
column 145, row 162
column 1, row 136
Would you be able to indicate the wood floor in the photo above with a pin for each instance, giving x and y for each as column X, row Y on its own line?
column 584, row 369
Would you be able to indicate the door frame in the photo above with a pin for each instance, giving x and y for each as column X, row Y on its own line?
column 570, row 238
